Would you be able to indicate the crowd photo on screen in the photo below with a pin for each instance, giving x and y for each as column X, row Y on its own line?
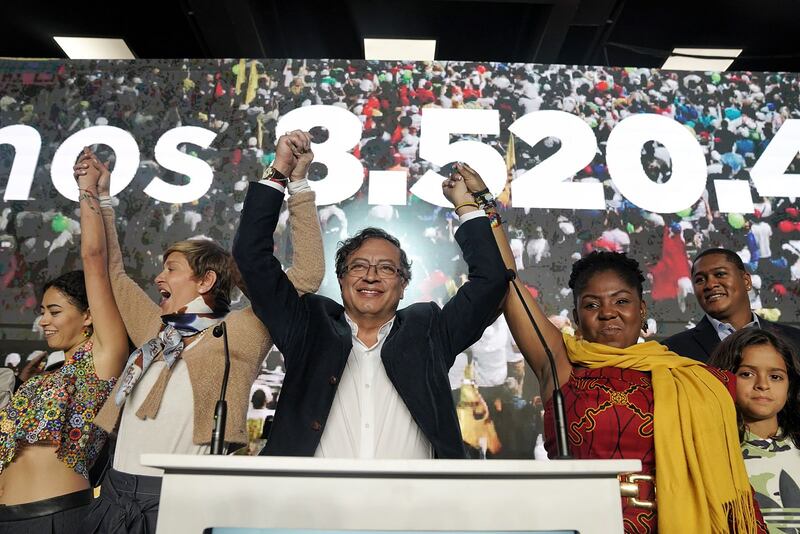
column 732, row 115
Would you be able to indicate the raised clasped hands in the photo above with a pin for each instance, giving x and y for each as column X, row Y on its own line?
column 459, row 186
column 293, row 154
column 471, row 178
column 90, row 173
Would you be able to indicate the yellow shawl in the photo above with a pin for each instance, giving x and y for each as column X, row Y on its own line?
column 701, row 480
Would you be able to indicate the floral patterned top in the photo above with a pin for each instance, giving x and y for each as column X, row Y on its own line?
column 58, row 408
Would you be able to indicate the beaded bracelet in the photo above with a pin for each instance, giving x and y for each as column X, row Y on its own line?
column 494, row 218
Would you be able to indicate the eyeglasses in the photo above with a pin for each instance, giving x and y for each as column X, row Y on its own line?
column 384, row 270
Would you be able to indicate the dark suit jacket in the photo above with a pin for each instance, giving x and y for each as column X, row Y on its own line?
column 699, row 342
column 315, row 339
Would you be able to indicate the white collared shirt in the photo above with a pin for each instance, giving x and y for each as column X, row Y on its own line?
column 725, row 329
column 368, row 419
column 172, row 430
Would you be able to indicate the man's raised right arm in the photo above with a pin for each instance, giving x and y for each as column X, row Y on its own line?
column 272, row 294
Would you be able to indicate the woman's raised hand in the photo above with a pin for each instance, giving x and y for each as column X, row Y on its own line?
column 89, row 172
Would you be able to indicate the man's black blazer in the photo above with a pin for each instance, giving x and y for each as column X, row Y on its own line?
column 699, row 342
column 312, row 334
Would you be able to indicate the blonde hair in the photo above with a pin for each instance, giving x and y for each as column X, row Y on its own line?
column 205, row 255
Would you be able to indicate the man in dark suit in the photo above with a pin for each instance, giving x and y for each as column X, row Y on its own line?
column 366, row 380
column 721, row 285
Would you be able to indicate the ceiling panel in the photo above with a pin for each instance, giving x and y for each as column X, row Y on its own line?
column 616, row 32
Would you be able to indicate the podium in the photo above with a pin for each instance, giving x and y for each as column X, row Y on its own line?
column 200, row 492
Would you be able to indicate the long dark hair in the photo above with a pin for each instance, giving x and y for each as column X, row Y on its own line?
column 728, row 356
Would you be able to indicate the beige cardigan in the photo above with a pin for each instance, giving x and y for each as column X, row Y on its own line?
column 248, row 339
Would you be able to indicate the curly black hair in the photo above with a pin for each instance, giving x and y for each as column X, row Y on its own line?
column 73, row 286
column 601, row 261
column 728, row 356
column 350, row 245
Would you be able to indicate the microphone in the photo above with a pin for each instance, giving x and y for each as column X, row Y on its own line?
column 221, row 409
column 559, row 413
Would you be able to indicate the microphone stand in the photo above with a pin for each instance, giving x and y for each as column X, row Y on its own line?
column 559, row 413
column 221, row 409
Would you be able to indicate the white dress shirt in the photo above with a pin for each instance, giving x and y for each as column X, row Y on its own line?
column 368, row 419
column 171, row 432
column 726, row 329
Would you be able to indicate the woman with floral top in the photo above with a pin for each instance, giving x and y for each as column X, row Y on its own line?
column 48, row 441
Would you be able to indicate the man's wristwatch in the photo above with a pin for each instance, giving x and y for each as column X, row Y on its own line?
column 484, row 198
column 274, row 175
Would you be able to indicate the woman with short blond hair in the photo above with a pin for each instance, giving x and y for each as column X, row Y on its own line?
column 165, row 398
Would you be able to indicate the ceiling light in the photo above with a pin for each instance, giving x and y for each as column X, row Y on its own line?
column 94, row 48
column 399, row 49
column 702, row 59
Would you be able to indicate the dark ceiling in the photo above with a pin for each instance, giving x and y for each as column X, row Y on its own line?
column 597, row 32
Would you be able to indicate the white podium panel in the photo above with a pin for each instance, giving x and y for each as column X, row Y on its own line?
column 200, row 492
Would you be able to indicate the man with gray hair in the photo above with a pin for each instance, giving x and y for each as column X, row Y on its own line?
column 364, row 379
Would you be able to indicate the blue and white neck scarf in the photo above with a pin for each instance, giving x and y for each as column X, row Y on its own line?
column 188, row 321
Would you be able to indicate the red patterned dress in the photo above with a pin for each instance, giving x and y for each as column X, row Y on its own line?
column 610, row 416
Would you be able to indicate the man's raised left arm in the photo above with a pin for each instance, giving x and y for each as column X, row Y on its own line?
column 475, row 306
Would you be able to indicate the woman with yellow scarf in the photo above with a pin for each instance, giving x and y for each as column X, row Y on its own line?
column 632, row 400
